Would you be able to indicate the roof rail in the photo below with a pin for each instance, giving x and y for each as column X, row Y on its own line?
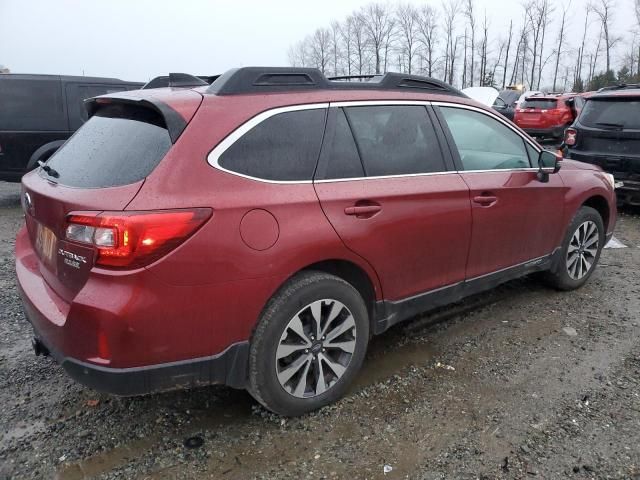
column 620, row 86
column 285, row 79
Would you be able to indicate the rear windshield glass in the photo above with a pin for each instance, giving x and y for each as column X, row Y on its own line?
column 119, row 145
column 614, row 113
column 540, row 103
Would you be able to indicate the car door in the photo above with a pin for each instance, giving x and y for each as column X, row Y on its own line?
column 383, row 184
column 516, row 217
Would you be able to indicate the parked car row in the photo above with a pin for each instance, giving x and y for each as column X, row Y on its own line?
column 256, row 232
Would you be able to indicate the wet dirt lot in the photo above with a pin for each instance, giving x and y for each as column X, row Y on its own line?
column 523, row 382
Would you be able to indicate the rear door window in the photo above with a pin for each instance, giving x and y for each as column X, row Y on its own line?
column 540, row 104
column 395, row 140
column 284, row 147
column 31, row 104
column 612, row 113
column 119, row 145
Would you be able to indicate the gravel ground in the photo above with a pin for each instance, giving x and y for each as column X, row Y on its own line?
column 523, row 382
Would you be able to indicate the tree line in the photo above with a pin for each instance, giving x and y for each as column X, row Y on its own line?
column 455, row 42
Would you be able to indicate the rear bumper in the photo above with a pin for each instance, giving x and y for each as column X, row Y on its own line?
column 623, row 169
column 226, row 368
column 134, row 334
column 555, row 132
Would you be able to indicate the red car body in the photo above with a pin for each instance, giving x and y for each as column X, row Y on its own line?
column 187, row 317
column 546, row 115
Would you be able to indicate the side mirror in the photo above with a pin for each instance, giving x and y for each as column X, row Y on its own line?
column 548, row 162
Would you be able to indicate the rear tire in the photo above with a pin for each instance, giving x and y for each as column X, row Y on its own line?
column 580, row 251
column 309, row 344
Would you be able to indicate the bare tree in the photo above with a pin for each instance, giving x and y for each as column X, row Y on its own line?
column 334, row 38
column 297, row 54
column 506, row 60
column 378, row 23
column 346, row 38
column 359, row 42
column 320, row 49
column 468, row 12
column 537, row 12
column 408, row 28
column 484, row 45
column 451, row 10
column 427, row 28
column 559, row 52
column 604, row 11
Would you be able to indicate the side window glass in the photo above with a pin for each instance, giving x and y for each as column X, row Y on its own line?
column 395, row 140
column 343, row 160
column 283, row 147
column 484, row 143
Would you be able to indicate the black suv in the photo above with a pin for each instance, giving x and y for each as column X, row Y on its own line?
column 607, row 133
column 39, row 112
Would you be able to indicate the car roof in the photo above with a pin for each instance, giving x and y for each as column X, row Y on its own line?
column 623, row 92
column 65, row 78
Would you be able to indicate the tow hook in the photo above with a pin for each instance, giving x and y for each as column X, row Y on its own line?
column 39, row 348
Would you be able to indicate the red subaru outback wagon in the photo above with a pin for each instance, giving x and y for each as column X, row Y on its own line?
column 258, row 231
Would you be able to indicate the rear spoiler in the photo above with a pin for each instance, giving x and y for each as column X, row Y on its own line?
column 173, row 120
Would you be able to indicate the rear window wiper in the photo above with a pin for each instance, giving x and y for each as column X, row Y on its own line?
column 48, row 170
column 617, row 126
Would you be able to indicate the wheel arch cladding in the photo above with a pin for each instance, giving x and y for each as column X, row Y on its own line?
column 599, row 204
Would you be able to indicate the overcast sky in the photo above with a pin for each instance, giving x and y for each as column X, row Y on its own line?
column 139, row 39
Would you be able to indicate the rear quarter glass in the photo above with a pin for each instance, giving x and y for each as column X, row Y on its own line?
column 119, row 145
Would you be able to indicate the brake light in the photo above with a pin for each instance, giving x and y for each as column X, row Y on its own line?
column 570, row 137
column 134, row 239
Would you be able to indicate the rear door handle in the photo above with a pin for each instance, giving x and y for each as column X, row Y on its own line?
column 362, row 210
column 485, row 200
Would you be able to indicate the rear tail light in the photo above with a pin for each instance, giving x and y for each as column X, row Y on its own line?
column 570, row 137
column 134, row 239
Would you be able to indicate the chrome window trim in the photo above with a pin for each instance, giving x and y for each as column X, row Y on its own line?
column 495, row 116
column 214, row 156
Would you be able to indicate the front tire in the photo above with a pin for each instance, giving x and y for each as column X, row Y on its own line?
column 580, row 251
column 309, row 344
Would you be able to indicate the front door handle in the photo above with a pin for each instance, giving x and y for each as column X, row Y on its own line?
column 363, row 211
column 485, row 200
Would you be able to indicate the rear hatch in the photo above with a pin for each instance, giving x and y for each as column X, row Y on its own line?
column 101, row 168
column 537, row 113
column 608, row 130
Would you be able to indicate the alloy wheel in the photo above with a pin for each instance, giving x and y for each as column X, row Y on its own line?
column 315, row 348
column 582, row 251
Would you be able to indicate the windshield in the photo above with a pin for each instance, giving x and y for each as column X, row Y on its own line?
column 614, row 112
column 119, row 145
column 540, row 103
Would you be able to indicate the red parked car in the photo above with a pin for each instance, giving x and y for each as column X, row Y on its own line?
column 546, row 116
column 257, row 232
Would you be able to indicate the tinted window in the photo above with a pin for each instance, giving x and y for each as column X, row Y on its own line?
column 283, row 147
column 395, row 140
column 539, row 104
column 31, row 104
column 611, row 113
column 117, row 146
column 483, row 142
column 341, row 152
